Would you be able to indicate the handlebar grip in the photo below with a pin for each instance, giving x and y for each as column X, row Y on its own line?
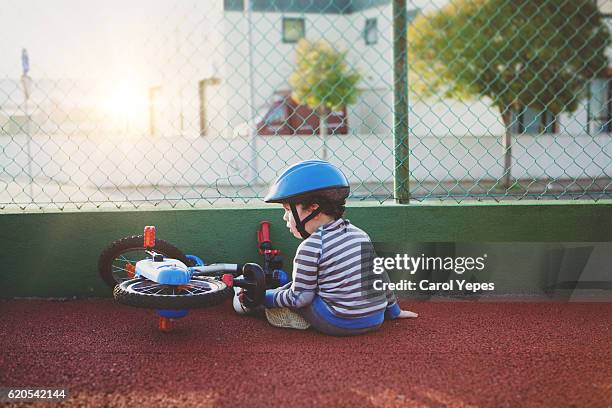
column 263, row 235
column 149, row 236
column 216, row 269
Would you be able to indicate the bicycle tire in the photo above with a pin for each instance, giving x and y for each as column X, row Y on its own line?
column 129, row 293
column 133, row 243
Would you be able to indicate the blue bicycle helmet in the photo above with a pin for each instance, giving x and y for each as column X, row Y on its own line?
column 308, row 177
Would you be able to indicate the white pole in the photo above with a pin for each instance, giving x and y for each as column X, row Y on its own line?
column 25, row 83
column 180, row 89
column 252, row 124
column 26, row 91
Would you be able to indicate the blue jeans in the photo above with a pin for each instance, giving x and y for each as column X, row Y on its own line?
column 321, row 318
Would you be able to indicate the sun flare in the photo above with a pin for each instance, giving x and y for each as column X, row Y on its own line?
column 125, row 103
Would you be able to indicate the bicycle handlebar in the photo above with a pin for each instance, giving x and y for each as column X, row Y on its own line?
column 216, row 269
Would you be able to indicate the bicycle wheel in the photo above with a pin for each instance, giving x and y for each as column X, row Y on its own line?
column 116, row 263
column 199, row 292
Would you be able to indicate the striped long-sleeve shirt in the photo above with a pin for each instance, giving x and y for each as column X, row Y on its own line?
column 335, row 263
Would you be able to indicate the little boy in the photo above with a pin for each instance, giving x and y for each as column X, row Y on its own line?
column 332, row 269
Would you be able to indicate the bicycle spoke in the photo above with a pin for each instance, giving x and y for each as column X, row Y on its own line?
column 124, row 259
column 157, row 289
column 118, row 268
column 147, row 288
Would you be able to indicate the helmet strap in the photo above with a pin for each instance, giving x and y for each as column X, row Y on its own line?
column 301, row 224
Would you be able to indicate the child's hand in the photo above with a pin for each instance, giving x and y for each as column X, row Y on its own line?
column 405, row 314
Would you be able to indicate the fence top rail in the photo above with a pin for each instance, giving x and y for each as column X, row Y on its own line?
column 368, row 204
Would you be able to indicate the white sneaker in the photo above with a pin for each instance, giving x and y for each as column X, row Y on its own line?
column 238, row 306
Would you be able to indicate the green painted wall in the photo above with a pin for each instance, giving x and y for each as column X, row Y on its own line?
column 55, row 254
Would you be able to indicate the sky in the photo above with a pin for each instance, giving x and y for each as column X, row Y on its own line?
column 113, row 49
column 89, row 39
column 75, row 39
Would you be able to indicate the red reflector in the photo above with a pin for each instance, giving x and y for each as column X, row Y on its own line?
column 165, row 324
column 149, row 236
column 130, row 269
column 228, row 279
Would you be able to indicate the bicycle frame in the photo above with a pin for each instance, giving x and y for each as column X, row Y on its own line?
column 152, row 282
column 167, row 271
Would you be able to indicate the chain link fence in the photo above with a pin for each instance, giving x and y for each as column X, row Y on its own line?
column 196, row 103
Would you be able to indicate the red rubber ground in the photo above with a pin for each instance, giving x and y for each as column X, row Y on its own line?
column 456, row 354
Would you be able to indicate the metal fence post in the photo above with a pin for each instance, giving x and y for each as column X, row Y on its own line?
column 401, row 186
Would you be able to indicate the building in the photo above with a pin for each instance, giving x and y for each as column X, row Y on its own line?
column 247, row 55
column 219, row 66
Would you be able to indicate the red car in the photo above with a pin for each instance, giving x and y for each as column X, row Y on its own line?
column 286, row 117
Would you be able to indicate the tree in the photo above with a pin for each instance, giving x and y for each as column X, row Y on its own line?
column 322, row 81
column 539, row 54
